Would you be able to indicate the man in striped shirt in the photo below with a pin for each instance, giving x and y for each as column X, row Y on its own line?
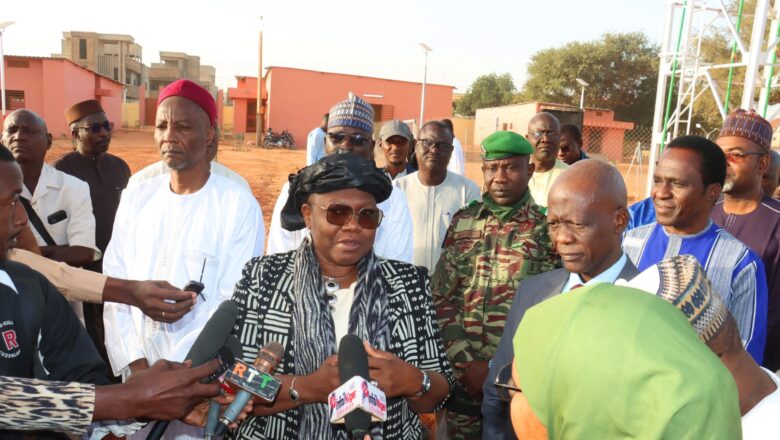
column 686, row 185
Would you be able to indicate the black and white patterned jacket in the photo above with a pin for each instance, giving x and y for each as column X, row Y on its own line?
column 264, row 297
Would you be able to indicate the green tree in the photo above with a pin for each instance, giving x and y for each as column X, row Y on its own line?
column 622, row 70
column 486, row 91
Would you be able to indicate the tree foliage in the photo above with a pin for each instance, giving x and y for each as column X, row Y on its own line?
column 486, row 91
column 621, row 69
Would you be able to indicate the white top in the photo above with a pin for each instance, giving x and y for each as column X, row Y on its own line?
column 457, row 160
column 393, row 236
column 432, row 208
column 6, row 280
column 159, row 235
column 315, row 146
column 159, row 168
column 540, row 183
column 340, row 310
column 763, row 421
column 59, row 191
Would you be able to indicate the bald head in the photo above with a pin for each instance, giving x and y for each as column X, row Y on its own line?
column 26, row 135
column 544, row 134
column 586, row 216
column 594, row 180
column 547, row 118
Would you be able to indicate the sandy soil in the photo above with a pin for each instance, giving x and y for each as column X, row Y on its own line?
column 265, row 170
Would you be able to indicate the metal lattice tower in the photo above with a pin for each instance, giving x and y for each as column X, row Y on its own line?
column 684, row 70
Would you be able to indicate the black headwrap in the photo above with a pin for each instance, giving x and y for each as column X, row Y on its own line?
column 332, row 173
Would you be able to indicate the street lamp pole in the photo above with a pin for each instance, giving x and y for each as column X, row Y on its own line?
column 582, row 84
column 426, row 50
column 3, row 25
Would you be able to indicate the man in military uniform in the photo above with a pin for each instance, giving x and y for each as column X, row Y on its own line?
column 489, row 248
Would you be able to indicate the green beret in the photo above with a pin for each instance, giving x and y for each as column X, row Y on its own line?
column 503, row 144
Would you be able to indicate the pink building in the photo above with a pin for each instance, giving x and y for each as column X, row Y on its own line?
column 48, row 86
column 296, row 99
column 601, row 133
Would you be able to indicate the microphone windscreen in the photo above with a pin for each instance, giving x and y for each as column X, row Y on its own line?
column 353, row 361
column 214, row 334
column 234, row 345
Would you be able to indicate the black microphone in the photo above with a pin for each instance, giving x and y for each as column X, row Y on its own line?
column 353, row 361
column 212, row 419
column 210, row 340
column 265, row 362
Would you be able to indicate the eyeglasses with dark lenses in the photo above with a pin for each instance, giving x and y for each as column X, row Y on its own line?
column 95, row 127
column 428, row 144
column 739, row 156
column 339, row 215
column 356, row 140
column 541, row 133
column 505, row 386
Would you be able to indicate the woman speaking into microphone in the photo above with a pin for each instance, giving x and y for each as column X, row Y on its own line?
column 334, row 285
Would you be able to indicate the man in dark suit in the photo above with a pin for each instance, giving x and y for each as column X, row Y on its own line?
column 586, row 218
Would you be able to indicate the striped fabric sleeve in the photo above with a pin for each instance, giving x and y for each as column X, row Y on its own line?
column 32, row 404
column 749, row 304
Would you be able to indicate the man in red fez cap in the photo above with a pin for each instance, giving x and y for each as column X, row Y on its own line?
column 749, row 214
column 189, row 224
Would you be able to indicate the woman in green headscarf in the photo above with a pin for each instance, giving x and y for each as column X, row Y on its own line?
column 608, row 362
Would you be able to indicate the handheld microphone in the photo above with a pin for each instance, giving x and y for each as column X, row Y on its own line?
column 210, row 340
column 212, row 419
column 357, row 399
column 252, row 383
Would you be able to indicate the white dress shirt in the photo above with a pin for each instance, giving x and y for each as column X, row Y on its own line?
column 59, row 191
column 457, row 163
column 393, row 236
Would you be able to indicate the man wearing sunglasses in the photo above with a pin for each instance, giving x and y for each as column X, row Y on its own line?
column 490, row 247
column 106, row 175
column 544, row 133
column 749, row 214
column 570, row 147
column 350, row 125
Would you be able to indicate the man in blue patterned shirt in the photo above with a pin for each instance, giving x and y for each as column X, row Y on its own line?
column 686, row 184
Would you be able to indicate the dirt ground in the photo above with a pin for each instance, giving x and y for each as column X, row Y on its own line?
column 266, row 170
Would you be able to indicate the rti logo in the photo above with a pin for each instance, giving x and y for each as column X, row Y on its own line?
column 9, row 345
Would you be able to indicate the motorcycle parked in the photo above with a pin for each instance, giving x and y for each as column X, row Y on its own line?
column 282, row 140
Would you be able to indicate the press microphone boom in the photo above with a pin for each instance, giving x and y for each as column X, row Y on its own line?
column 210, row 340
column 265, row 362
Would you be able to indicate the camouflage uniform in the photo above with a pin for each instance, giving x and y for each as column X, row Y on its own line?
column 482, row 262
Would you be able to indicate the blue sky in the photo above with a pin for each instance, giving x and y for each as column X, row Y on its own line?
column 371, row 38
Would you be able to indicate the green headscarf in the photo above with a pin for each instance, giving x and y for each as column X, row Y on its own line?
column 606, row 362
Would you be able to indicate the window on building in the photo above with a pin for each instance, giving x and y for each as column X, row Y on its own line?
column 14, row 99
column 82, row 48
column 116, row 74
